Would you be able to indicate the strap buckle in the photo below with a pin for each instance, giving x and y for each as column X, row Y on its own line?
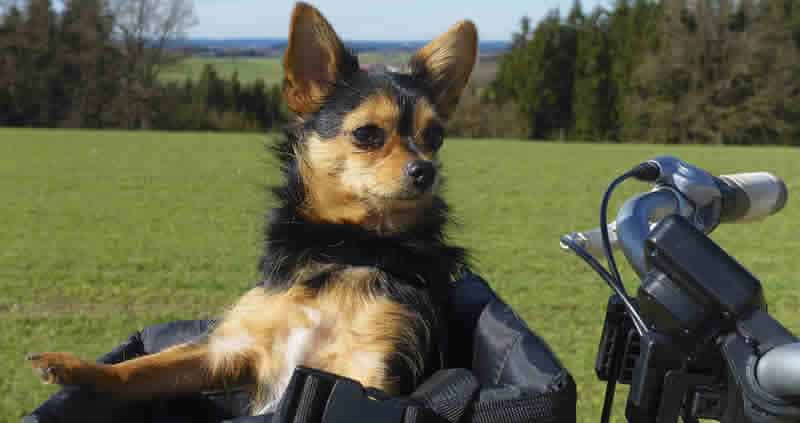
column 314, row 396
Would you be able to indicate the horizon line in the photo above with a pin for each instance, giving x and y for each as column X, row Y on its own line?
column 213, row 38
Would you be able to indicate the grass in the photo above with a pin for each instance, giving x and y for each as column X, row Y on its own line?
column 105, row 233
column 250, row 69
column 270, row 69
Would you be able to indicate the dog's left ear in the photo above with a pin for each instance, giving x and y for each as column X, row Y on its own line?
column 446, row 63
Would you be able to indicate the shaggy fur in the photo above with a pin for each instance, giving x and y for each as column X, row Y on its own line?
column 357, row 270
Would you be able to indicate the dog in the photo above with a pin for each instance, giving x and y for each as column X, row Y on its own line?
column 357, row 266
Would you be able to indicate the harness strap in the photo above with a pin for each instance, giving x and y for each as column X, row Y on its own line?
column 450, row 396
column 454, row 395
column 314, row 396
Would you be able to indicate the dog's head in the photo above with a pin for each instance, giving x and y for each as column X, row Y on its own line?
column 368, row 144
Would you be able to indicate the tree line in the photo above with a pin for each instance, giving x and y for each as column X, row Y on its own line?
column 96, row 64
column 671, row 71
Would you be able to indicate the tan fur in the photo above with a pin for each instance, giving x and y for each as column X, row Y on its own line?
column 367, row 188
column 424, row 116
column 354, row 334
column 312, row 60
column 380, row 109
column 181, row 369
column 343, row 327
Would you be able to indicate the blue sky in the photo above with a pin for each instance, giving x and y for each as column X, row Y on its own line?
column 372, row 20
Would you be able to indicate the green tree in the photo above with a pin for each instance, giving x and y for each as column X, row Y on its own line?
column 724, row 72
column 34, row 66
column 520, row 38
column 595, row 97
column 11, row 112
column 576, row 16
column 88, row 64
column 234, row 93
column 538, row 75
column 209, row 91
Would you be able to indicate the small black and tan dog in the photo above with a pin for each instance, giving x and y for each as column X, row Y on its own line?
column 357, row 268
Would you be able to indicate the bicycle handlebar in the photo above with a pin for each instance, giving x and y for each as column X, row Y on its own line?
column 633, row 224
column 706, row 201
column 695, row 194
column 778, row 371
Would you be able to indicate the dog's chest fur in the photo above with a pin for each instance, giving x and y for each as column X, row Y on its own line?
column 345, row 327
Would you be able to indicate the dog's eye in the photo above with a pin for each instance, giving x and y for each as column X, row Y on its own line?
column 369, row 136
column 434, row 137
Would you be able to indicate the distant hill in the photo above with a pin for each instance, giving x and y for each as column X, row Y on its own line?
column 275, row 46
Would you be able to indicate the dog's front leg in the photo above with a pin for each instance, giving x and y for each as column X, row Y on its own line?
column 181, row 369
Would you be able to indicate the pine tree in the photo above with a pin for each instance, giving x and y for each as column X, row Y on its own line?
column 518, row 39
column 235, row 93
column 88, row 63
column 594, row 94
column 538, row 75
column 210, row 89
column 621, row 41
column 10, row 78
column 37, row 75
column 259, row 107
column 576, row 16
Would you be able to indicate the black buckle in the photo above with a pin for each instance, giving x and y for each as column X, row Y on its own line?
column 314, row 396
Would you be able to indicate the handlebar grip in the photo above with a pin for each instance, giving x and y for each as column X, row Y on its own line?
column 751, row 196
column 778, row 371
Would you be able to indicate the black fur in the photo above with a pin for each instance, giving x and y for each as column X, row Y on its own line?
column 419, row 256
column 348, row 93
column 418, row 264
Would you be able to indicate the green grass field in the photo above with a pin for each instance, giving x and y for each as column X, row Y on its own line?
column 105, row 233
column 251, row 68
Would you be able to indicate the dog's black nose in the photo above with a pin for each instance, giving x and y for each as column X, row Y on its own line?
column 422, row 174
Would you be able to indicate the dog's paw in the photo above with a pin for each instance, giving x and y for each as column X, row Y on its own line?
column 56, row 368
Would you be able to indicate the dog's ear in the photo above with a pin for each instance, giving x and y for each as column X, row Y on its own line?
column 446, row 63
column 315, row 59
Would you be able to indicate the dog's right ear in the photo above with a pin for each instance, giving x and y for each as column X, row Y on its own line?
column 315, row 59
